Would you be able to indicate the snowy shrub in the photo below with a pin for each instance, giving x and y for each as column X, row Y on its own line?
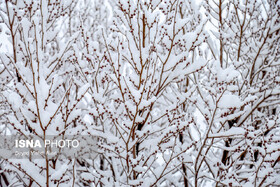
column 174, row 92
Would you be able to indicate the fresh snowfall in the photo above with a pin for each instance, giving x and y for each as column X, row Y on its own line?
column 150, row 93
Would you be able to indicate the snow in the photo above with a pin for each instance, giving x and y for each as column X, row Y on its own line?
column 197, row 65
column 234, row 131
column 60, row 172
column 230, row 101
column 184, row 98
column 15, row 100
